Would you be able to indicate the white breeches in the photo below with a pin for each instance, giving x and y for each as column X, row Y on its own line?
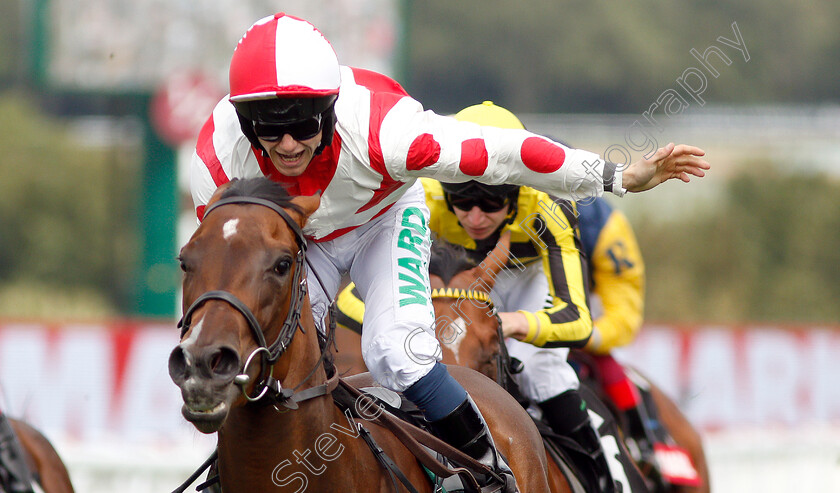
column 388, row 259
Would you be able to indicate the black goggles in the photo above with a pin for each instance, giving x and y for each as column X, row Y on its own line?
column 298, row 130
column 486, row 204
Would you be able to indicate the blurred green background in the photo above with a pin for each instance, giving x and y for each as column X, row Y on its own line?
column 761, row 241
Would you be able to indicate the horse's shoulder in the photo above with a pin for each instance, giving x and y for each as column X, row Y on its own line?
column 467, row 376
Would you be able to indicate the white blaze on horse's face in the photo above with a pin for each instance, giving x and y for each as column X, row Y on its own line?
column 459, row 327
column 229, row 229
column 196, row 330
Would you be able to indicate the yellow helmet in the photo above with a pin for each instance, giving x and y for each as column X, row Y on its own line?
column 489, row 115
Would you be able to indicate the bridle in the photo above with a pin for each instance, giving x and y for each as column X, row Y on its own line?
column 505, row 365
column 268, row 353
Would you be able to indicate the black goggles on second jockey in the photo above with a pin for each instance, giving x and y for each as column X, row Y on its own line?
column 299, row 130
column 486, row 204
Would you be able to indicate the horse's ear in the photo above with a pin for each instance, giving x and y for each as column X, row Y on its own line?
column 308, row 204
column 495, row 261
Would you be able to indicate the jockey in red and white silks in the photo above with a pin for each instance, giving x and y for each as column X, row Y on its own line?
column 383, row 142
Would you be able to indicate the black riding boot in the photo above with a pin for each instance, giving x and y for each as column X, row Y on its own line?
column 567, row 416
column 465, row 429
column 14, row 473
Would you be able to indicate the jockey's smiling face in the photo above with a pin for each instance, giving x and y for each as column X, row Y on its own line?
column 291, row 157
column 478, row 223
column 290, row 130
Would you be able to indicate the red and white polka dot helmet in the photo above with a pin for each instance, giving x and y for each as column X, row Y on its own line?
column 284, row 71
column 283, row 56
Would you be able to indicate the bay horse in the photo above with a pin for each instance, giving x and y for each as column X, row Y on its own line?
column 461, row 288
column 46, row 467
column 251, row 369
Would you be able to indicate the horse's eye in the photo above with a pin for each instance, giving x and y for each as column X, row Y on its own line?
column 282, row 267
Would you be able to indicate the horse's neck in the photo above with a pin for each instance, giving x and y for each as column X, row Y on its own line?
column 261, row 449
column 265, row 428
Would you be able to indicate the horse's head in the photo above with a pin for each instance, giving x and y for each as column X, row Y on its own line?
column 243, row 291
column 466, row 321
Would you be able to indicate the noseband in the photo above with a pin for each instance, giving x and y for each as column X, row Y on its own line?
column 270, row 353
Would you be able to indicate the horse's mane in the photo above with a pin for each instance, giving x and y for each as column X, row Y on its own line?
column 447, row 260
column 261, row 188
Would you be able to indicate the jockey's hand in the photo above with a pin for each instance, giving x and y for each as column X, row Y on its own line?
column 514, row 324
column 594, row 342
column 667, row 162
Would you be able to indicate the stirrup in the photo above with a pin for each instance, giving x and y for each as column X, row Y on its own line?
column 509, row 485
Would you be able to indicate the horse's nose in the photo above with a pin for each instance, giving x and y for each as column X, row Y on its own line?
column 178, row 366
column 215, row 363
column 223, row 362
